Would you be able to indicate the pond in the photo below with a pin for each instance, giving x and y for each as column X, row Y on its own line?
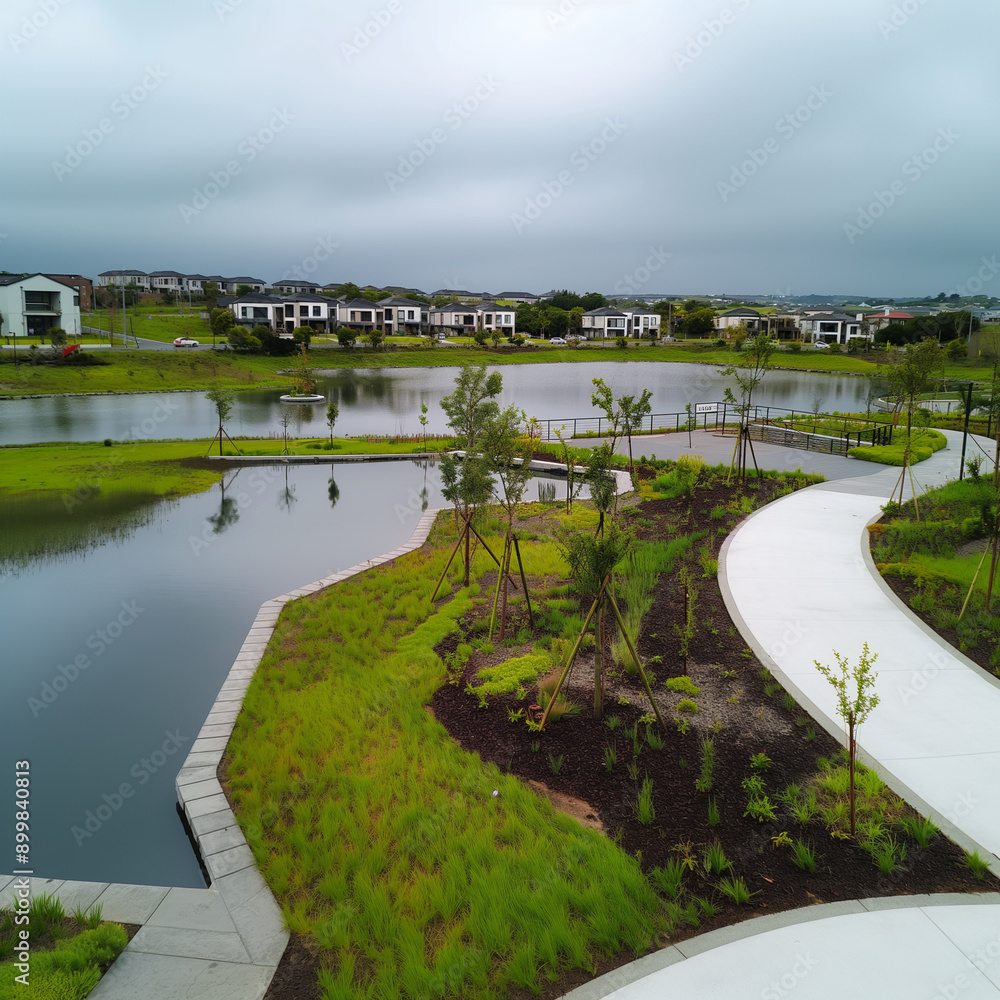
column 120, row 625
column 387, row 401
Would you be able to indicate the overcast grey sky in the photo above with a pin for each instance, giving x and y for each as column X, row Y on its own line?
column 711, row 146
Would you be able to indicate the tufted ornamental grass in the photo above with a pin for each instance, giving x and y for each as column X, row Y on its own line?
column 417, row 869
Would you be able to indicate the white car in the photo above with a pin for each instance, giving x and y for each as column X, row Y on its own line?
column 556, row 340
column 822, row 345
column 185, row 342
column 575, row 336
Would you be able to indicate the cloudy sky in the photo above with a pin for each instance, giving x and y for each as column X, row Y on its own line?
column 834, row 146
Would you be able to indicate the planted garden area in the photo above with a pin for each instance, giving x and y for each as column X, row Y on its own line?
column 66, row 952
column 939, row 556
column 394, row 784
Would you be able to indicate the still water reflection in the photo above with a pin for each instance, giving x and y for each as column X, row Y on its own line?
column 117, row 635
column 387, row 401
column 118, row 625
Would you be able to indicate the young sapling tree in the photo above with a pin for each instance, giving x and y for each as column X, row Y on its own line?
column 223, row 401
column 856, row 698
column 332, row 412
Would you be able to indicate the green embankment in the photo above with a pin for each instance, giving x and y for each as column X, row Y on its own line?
column 923, row 444
column 386, row 842
column 158, row 469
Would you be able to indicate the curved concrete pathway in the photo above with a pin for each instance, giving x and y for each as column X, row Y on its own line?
column 799, row 583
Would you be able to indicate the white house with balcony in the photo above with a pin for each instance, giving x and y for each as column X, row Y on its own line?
column 32, row 304
column 283, row 314
column 632, row 321
column 140, row 279
column 456, row 318
column 829, row 327
column 599, row 324
column 403, row 315
column 641, row 323
column 492, row 317
column 258, row 310
column 167, row 281
column 307, row 309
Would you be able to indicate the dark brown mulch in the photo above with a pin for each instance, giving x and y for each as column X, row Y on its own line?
column 732, row 693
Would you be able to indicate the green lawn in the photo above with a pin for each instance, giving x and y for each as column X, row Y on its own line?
column 152, row 468
column 416, row 869
column 135, row 371
column 155, row 468
column 155, row 322
column 923, row 444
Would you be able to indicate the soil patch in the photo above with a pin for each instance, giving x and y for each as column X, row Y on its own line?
column 740, row 708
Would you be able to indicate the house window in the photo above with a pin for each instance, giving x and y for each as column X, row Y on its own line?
column 409, row 314
column 304, row 311
column 317, row 311
column 616, row 323
column 489, row 319
column 259, row 312
column 243, row 312
column 76, row 300
column 467, row 320
column 290, row 311
column 828, row 327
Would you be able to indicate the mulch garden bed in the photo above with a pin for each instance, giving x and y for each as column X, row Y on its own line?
column 567, row 761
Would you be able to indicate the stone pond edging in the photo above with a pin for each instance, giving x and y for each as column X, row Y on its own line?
column 228, row 939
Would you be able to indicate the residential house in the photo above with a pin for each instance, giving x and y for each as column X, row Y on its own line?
column 256, row 309
column 519, row 297
column 283, row 313
column 732, row 318
column 599, row 324
column 137, row 278
column 31, row 304
column 456, row 318
column 286, row 286
column 490, row 317
column 633, row 322
column 83, row 287
column 641, row 323
column 886, row 317
column 403, row 315
column 309, row 309
column 361, row 315
column 829, row 326
column 167, row 281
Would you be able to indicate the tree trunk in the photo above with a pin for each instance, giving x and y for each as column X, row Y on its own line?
column 851, row 755
column 599, row 666
column 506, row 576
column 468, row 525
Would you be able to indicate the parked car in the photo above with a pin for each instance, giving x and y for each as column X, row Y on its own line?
column 822, row 345
column 574, row 336
column 556, row 340
column 185, row 342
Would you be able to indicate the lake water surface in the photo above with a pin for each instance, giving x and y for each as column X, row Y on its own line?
column 387, row 401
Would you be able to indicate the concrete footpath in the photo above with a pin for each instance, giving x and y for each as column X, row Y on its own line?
column 799, row 583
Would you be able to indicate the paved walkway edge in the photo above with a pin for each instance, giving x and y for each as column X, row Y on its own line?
column 836, row 730
column 635, row 971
